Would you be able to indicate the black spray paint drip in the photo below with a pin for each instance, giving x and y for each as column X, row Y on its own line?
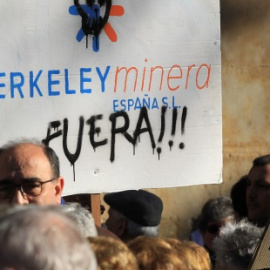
column 162, row 126
column 139, row 130
column 173, row 130
column 162, row 129
column 93, row 26
column 73, row 157
column 183, row 122
column 174, row 120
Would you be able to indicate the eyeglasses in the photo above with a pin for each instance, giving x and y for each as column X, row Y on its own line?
column 213, row 229
column 29, row 187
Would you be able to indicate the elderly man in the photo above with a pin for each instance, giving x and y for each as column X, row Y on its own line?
column 45, row 238
column 29, row 173
column 258, row 191
column 133, row 213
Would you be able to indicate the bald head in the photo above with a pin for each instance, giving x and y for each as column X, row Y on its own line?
column 25, row 166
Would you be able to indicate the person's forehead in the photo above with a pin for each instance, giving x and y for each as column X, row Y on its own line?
column 222, row 221
column 24, row 149
column 24, row 156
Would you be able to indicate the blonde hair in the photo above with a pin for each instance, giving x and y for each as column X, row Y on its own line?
column 112, row 254
column 194, row 256
column 155, row 253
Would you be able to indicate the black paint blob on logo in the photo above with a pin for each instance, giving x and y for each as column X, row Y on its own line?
column 93, row 22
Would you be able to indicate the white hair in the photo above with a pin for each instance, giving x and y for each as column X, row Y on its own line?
column 42, row 238
column 134, row 229
column 236, row 244
column 82, row 217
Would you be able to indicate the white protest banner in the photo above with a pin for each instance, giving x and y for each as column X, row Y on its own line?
column 128, row 93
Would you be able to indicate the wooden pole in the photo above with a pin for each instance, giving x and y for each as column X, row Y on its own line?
column 95, row 208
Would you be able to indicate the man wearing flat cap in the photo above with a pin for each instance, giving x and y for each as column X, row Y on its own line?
column 133, row 213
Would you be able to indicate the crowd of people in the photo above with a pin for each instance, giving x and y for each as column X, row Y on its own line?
column 38, row 231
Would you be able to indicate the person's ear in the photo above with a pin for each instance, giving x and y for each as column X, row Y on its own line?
column 59, row 186
column 121, row 227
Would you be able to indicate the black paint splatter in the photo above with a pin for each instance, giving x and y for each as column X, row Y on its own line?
column 93, row 26
column 181, row 145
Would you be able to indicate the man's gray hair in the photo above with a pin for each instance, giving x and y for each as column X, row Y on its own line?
column 82, row 218
column 134, row 229
column 42, row 238
column 236, row 244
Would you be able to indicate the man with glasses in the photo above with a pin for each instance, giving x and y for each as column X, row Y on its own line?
column 29, row 173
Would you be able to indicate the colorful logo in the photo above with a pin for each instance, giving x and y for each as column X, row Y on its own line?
column 93, row 23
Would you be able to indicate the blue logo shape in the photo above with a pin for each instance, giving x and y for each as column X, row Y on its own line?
column 93, row 14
